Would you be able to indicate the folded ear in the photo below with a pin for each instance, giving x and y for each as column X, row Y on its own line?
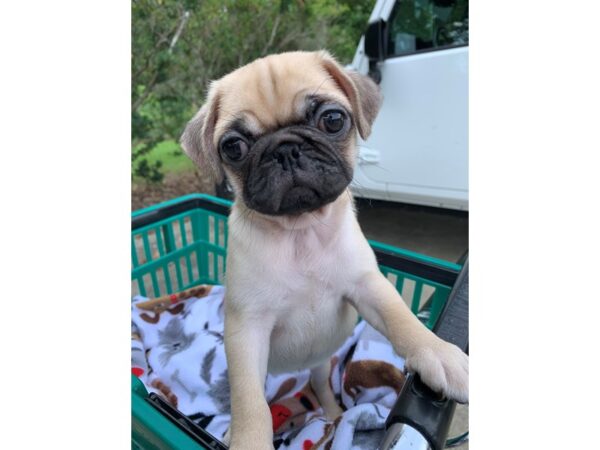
column 197, row 138
column 364, row 95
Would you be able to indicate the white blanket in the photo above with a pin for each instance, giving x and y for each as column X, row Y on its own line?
column 178, row 352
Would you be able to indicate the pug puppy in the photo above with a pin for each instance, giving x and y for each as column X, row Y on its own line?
column 299, row 270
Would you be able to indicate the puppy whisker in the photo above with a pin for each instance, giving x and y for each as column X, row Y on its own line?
column 319, row 220
column 349, row 196
column 320, row 85
column 294, row 225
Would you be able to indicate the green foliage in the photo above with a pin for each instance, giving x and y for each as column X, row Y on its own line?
column 171, row 156
column 150, row 172
column 178, row 46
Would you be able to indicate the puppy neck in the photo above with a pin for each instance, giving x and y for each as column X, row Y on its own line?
column 326, row 219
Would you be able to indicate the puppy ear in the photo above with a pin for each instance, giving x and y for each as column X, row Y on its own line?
column 364, row 95
column 197, row 138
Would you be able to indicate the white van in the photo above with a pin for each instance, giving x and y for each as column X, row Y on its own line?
column 418, row 150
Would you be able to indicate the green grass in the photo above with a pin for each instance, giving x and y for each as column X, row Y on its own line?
column 172, row 157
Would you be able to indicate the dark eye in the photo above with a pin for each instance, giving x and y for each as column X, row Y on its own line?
column 234, row 149
column 332, row 121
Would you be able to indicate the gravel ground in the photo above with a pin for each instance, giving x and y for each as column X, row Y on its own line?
column 174, row 185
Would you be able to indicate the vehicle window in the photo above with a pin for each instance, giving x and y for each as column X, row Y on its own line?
column 416, row 25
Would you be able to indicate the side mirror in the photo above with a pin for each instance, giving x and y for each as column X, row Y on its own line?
column 375, row 47
column 375, row 41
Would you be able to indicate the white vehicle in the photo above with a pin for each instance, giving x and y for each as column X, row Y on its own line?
column 418, row 150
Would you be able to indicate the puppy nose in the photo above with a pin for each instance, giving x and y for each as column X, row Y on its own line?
column 287, row 155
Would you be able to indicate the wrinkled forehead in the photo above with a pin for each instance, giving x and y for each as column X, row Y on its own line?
column 273, row 92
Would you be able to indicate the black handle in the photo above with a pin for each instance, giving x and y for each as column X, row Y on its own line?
column 453, row 324
column 417, row 405
column 424, row 410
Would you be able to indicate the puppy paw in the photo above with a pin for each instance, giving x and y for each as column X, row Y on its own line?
column 443, row 367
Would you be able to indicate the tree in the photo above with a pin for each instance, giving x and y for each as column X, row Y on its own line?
column 178, row 46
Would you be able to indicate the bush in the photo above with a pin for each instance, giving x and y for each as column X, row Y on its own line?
column 179, row 46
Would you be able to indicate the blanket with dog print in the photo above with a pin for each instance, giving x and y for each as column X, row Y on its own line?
column 178, row 352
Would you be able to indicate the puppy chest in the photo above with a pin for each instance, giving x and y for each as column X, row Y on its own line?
column 310, row 333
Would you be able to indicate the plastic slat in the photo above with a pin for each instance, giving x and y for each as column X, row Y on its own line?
column 162, row 251
column 180, row 253
column 416, row 302
column 134, row 257
column 170, row 237
column 439, row 299
column 149, row 258
column 221, row 237
column 399, row 282
column 188, row 261
column 216, row 266
column 147, row 250
column 141, row 286
column 200, row 233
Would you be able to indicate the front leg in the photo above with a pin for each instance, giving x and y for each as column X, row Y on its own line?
column 441, row 365
column 247, row 349
column 319, row 381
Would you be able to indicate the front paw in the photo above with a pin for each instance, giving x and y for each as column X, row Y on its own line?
column 443, row 367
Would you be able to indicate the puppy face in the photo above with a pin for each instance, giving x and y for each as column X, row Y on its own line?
column 284, row 128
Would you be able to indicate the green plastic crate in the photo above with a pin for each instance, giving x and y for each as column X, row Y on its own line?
column 182, row 243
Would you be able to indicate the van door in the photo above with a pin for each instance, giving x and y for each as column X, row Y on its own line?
column 419, row 144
